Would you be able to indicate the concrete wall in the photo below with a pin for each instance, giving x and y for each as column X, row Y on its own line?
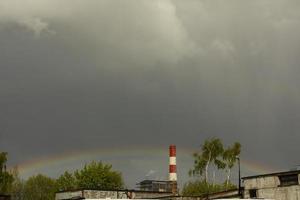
column 97, row 194
column 262, row 182
column 269, row 188
column 68, row 195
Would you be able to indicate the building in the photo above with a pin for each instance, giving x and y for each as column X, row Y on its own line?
column 278, row 186
column 157, row 186
column 110, row 194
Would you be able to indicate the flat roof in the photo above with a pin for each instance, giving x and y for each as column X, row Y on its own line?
column 273, row 174
column 99, row 190
column 158, row 181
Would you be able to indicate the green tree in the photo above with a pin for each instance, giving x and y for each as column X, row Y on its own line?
column 66, row 181
column 97, row 175
column 230, row 156
column 17, row 188
column 211, row 152
column 40, row 187
column 6, row 178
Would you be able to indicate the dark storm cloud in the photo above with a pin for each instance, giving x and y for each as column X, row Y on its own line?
column 79, row 75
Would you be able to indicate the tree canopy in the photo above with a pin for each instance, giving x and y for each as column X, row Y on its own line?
column 211, row 152
column 66, row 181
column 6, row 178
column 97, row 175
column 230, row 156
column 212, row 155
column 40, row 187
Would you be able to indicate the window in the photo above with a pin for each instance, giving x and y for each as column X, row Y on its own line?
column 287, row 180
column 253, row 193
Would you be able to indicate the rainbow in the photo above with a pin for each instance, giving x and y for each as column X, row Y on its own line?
column 108, row 154
column 28, row 167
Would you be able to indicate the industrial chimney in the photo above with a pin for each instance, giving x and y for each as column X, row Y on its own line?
column 172, row 163
column 172, row 169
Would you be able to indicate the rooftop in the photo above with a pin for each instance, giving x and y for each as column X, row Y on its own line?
column 155, row 181
column 273, row 174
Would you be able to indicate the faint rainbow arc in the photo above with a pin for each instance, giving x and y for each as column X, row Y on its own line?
column 56, row 160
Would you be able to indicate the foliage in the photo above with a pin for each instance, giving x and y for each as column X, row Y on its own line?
column 199, row 188
column 40, row 187
column 94, row 175
column 17, row 188
column 6, row 178
column 66, row 181
column 97, row 175
column 230, row 156
column 211, row 152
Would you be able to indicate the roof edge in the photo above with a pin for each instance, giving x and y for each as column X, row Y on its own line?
column 272, row 174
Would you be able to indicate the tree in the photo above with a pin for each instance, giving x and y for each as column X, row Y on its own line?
column 40, row 187
column 66, row 181
column 6, row 178
column 211, row 152
column 230, row 157
column 17, row 188
column 97, row 175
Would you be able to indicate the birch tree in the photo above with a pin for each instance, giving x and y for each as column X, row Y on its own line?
column 230, row 156
column 211, row 152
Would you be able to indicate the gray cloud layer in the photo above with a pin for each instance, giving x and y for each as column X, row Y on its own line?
column 79, row 75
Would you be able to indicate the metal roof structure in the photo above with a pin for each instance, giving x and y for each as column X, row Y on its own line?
column 273, row 174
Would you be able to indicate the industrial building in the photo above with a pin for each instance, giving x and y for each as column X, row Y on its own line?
column 277, row 186
column 157, row 186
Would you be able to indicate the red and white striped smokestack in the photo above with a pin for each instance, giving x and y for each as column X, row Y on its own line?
column 172, row 164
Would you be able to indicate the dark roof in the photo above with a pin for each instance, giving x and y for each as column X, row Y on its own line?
column 157, row 181
column 273, row 174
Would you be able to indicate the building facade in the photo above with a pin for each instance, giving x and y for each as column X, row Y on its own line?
column 277, row 186
column 158, row 186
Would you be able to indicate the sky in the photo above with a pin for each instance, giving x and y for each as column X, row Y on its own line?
column 119, row 81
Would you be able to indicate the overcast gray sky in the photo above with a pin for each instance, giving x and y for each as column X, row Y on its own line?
column 79, row 75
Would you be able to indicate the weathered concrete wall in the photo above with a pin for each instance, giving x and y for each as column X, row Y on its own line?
column 269, row 188
column 94, row 194
column 97, row 194
column 144, row 195
column 262, row 182
column 183, row 198
column 68, row 195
